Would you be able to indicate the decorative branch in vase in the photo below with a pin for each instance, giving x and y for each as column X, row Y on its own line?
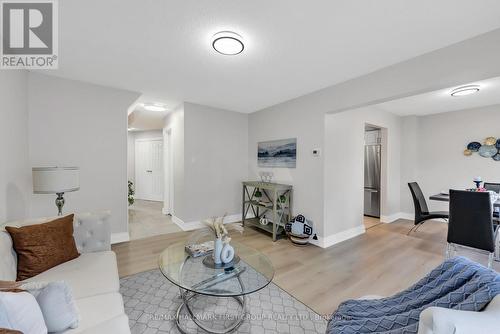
column 223, row 251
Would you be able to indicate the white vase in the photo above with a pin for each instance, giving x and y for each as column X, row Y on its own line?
column 227, row 253
column 217, row 250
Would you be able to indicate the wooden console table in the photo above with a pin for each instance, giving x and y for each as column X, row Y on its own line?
column 276, row 199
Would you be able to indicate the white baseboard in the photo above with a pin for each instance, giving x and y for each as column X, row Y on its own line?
column 325, row 242
column 195, row 225
column 119, row 237
column 392, row 218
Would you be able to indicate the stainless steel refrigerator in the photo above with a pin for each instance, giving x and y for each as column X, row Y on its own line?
column 372, row 180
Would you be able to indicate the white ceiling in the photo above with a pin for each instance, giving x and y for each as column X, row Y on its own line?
column 140, row 119
column 162, row 47
column 441, row 101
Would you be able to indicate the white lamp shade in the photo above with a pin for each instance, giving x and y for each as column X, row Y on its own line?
column 52, row 180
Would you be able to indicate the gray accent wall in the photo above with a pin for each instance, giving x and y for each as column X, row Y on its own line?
column 210, row 161
column 216, row 153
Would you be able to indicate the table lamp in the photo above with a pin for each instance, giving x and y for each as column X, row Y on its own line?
column 56, row 180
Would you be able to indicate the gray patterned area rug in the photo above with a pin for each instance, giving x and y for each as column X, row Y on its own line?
column 151, row 303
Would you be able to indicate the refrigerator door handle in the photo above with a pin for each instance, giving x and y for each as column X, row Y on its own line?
column 371, row 190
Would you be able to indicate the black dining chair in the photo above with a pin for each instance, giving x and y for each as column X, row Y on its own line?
column 492, row 186
column 422, row 213
column 471, row 223
column 496, row 188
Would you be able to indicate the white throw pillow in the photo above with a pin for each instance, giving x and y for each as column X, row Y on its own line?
column 57, row 304
column 20, row 311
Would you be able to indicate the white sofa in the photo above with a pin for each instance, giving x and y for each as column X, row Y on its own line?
column 439, row 320
column 93, row 276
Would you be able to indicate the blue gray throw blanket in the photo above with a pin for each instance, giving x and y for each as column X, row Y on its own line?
column 457, row 283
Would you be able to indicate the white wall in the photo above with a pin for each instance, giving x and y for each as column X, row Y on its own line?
column 131, row 138
column 344, row 167
column 73, row 123
column 303, row 117
column 441, row 139
column 15, row 171
column 216, row 161
column 131, row 156
column 174, row 122
column 409, row 161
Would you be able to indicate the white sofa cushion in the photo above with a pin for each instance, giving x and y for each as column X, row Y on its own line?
column 8, row 259
column 20, row 311
column 96, row 310
column 92, row 232
column 88, row 275
column 57, row 304
column 439, row 320
column 115, row 325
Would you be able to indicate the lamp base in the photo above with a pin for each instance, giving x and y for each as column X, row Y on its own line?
column 59, row 203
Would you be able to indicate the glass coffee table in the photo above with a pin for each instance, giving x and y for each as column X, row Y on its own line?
column 197, row 280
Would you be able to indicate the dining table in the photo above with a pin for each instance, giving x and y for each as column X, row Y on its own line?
column 446, row 198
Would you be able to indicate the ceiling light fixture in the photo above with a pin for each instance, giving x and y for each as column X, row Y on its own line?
column 228, row 43
column 154, row 107
column 465, row 90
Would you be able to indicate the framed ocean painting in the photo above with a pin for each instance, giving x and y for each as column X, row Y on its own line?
column 277, row 153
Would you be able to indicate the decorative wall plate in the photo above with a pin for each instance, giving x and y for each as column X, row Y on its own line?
column 488, row 151
column 497, row 145
column 496, row 157
column 467, row 152
column 490, row 141
column 474, row 146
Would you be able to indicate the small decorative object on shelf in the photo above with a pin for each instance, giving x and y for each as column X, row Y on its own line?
column 223, row 253
column 477, row 180
column 299, row 231
column 266, row 176
column 264, row 221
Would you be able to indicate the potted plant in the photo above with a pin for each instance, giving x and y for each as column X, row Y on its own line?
column 258, row 194
column 131, row 193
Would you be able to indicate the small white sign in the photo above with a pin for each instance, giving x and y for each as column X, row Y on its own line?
column 29, row 31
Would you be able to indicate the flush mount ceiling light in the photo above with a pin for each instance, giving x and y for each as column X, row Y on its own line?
column 227, row 43
column 465, row 90
column 154, row 107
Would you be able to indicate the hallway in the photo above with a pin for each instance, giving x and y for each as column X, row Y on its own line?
column 146, row 220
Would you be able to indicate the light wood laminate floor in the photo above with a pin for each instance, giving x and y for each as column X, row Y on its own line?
column 382, row 261
column 369, row 222
column 145, row 219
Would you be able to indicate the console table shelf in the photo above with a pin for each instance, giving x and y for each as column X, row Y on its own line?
column 278, row 205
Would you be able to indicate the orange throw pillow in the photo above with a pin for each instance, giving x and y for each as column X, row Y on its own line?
column 43, row 246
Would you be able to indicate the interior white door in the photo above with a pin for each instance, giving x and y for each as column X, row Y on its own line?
column 149, row 169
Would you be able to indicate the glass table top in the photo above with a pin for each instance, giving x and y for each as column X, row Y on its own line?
column 253, row 272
